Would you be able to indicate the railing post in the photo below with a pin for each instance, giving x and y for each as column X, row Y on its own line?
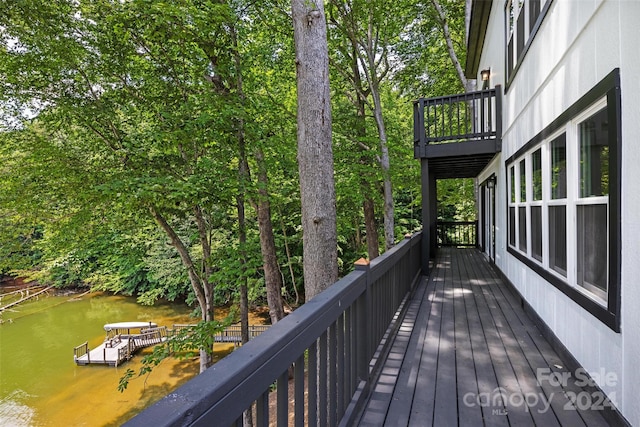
column 363, row 324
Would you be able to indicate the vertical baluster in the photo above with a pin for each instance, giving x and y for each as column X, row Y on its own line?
column 426, row 129
column 348, row 353
column 312, row 401
column 458, row 114
column 342, row 378
column 450, row 115
column 490, row 112
column 482, row 114
column 322, row 381
column 282, row 393
column 332, row 347
column 442, row 114
column 298, row 375
column 262, row 410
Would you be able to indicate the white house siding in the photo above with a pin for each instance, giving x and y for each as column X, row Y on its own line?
column 578, row 44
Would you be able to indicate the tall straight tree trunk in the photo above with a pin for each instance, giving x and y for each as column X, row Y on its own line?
column 315, row 153
column 442, row 19
column 385, row 164
column 368, row 205
column 272, row 277
column 244, row 177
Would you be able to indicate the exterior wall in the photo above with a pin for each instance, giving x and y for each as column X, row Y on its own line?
column 577, row 45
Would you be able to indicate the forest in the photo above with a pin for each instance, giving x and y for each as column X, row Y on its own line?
column 149, row 148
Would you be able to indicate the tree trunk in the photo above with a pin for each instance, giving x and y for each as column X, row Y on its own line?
column 205, row 299
column 442, row 18
column 368, row 205
column 272, row 277
column 385, row 164
column 315, row 154
column 289, row 259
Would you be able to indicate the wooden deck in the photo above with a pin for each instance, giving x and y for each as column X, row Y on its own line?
column 467, row 354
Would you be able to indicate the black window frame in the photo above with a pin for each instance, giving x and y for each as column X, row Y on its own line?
column 608, row 87
column 539, row 7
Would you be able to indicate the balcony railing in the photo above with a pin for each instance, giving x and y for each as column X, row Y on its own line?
column 457, row 233
column 473, row 116
column 332, row 344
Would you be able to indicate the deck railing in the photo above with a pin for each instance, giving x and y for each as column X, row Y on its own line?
column 457, row 118
column 81, row 350
column 331, row 345
column 457, row 233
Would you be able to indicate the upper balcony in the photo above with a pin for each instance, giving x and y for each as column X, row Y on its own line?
column 460, row 134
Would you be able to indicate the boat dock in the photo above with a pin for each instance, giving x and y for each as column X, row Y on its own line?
column 118, row 346
column 121, row 344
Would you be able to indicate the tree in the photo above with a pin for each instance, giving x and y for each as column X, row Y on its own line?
column 315, row 154
column 370, row 30
column 139, row 93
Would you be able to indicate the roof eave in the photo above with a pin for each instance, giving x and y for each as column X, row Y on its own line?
column 480, row 10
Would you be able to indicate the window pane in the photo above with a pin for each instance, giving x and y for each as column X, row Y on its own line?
column 512, row 226
column 534, row 12
column 520, row 26
column 558, row 239
column 522, row 228
column 592, row 248
column 513, row 184
column 594, row 155
column 536, row 160
column 523, row 182
column 559, row 167
column 536, row 232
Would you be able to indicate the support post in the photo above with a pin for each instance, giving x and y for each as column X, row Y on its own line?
column 364, row 326
column 426, row 214
column 433, row 204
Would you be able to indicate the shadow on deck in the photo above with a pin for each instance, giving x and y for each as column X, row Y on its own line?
column 466, row 354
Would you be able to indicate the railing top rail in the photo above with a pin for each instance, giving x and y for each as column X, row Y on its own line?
column 457, row 222
column 274, row 350
column 459, row 96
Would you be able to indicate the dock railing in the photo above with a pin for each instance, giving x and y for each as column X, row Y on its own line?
column 332, row 344
column 81, row 350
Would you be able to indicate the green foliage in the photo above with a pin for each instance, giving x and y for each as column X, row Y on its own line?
column 456, row 200
column 110, row 108
column 182, row 344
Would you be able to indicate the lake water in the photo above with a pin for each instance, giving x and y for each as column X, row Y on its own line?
column 40, row 385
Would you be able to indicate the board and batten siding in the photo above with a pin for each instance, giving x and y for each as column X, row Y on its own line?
column 578, row 43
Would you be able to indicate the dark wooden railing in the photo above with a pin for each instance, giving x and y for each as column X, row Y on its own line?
column 331, row 345
column 457, row 233
column 457, row 118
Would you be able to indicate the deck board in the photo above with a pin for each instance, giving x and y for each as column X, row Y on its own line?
column 467, row 354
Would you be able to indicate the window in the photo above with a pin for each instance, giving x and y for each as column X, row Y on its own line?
column 512, row 209
column 522, row 19
column 522, row 210
column 592, row 218
column 564, row 201
column 536, row 205
column 557, row 206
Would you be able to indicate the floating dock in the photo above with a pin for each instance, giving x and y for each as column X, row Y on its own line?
column 121, row 344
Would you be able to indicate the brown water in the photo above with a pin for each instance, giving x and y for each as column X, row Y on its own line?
column 40, row 385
